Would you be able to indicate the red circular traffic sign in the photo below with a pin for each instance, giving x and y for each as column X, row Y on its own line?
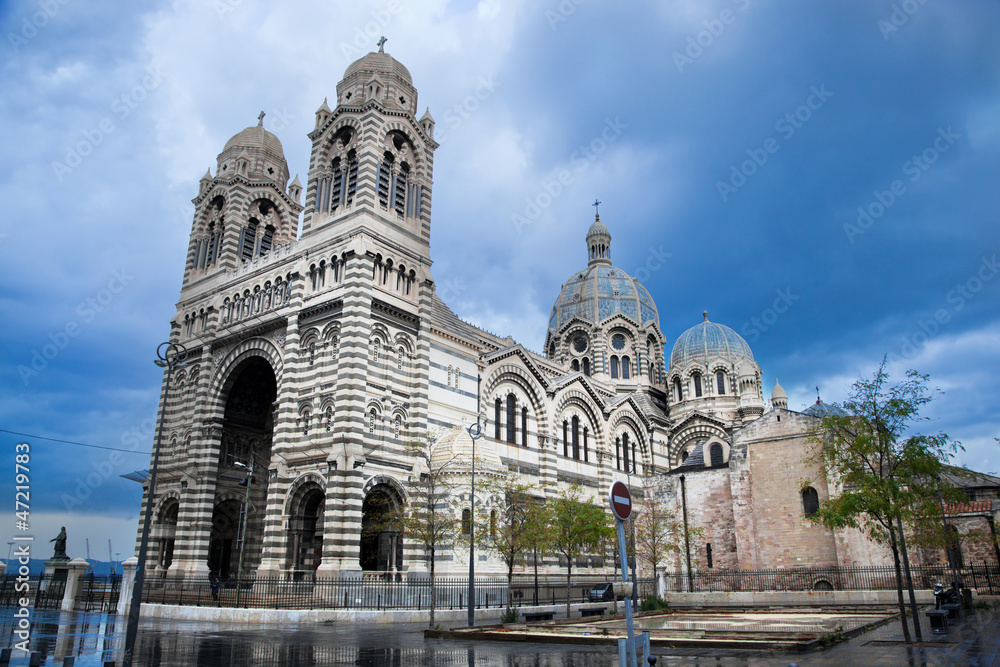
column 621, row 501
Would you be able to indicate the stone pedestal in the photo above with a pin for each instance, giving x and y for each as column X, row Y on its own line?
column 74, row 573
column 128, row 583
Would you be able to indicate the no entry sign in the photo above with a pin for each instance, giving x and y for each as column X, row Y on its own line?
column 621, row 501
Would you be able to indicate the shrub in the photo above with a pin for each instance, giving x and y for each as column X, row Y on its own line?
column 653, row 603
column 510, row 615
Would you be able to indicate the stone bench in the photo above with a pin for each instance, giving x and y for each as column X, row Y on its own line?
column 952, row 610
column 592, row 611
column 533, row 616
column 939, row 620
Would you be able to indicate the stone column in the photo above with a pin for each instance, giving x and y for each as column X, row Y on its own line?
column 74, row 570
column 128, row 583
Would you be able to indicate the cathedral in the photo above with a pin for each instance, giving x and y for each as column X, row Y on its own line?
column 318, row 353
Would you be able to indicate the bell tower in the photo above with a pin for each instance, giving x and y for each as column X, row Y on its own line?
column 372, row 160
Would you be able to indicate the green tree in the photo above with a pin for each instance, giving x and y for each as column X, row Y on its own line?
column 430, row 519
column 538, row 536
column 578, row 527
column 877, row 469
column 509, row 533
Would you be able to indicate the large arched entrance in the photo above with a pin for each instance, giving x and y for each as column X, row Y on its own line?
column 247, row 428
column 167, row 526
column 305, row 528
column 381, row 541
column 222, row 549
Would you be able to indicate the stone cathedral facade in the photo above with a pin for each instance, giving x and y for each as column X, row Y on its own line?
column 317, row 355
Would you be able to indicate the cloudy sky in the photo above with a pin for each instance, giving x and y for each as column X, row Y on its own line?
column 821, row 177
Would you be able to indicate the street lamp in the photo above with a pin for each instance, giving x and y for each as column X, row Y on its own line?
column 170, row 356
column 475, row 432
column 243, row 523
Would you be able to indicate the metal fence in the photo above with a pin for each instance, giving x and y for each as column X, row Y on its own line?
column 370, row 592
column 984, row 577
column 99, row 593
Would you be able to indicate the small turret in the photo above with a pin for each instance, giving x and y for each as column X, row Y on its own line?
column 779, row 398
column 427, row 122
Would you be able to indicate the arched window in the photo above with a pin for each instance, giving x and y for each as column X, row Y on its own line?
column 397, row 426
column 576, row 437
column 524, row 427
column 625, row 450
column 266, row 240
column 511, row 419
column 586, row 456
column 372, row 417
column 400, row 198
column 697, row 384
column 497, row 407
column 336, row 192
column 810, row 501
column 352, row 176
column 614, row 368
column 576, row 364
column 382, row 184
column 586, row 366
column 715, row 454
column 376, row 349
column 720, row 381
column 626, row 368
column 466, row 522
column 249, row 239
column 618, row 453
column 678, row 394
column 565, row 438
column 400, row 354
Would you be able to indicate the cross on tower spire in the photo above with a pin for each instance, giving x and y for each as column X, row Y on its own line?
column 381, row 44
column 597, row 211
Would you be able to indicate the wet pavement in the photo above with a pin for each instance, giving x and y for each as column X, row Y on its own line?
column 94, row 638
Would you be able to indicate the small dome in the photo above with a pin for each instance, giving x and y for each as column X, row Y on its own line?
column 707, row 341
column 379, row 63
column 256, row 137
column 452, row 452
column 778, row 392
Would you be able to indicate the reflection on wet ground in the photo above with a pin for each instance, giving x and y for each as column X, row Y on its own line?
column 94, row 638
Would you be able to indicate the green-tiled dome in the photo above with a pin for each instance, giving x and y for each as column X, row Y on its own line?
column 597, row 293
column 706, row 342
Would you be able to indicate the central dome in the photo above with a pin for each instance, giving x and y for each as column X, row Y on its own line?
column 706, row 342
column 597, row 293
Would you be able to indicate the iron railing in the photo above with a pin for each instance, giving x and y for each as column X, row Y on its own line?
column 370, row 592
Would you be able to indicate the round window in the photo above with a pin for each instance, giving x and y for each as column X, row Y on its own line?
column 580, row 343
column 618, row 342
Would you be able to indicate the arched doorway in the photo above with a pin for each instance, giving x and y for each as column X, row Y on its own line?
column 381, row 541
column 222, row 549
column 167, row 530
column 247, row 427
column 305, row 527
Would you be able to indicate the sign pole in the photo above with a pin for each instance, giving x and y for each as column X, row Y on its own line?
column 620, row 499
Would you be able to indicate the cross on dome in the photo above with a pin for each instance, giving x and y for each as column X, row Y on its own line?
column 381, row 44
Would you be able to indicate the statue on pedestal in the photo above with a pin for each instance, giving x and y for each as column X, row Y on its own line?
column 60, row 540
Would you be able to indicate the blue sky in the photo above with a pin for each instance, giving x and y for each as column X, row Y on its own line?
column 821, row 177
